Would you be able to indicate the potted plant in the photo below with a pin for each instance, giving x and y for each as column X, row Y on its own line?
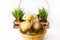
column 43, row 18
column 18, row 14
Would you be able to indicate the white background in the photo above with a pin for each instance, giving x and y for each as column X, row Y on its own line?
column 7, row 32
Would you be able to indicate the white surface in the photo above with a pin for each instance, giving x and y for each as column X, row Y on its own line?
column 6, row 19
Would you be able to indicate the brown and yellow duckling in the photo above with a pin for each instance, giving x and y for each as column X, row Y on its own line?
column 26, row 25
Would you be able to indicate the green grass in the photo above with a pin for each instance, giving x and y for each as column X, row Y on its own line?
column 43, row 14
column 18, row 14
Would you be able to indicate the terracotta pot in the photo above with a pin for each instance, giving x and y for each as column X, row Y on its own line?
column 44, row 23
column 36, row 37
column 17, row 23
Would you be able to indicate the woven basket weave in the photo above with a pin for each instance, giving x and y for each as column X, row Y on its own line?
column 36, row 37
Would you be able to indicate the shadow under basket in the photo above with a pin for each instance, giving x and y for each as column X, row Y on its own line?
column 36, row 37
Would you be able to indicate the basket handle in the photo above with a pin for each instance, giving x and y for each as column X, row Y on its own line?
column 19, row 4
column 45, row 1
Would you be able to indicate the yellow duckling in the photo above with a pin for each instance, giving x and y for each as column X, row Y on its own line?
column 26, row 25
column 29, row 17
column 36, row 24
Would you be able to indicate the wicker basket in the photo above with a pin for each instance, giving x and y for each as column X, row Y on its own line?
column 36, row 37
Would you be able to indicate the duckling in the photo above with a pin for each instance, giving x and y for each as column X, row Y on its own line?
column 36, row 25
column 29, row 17
column 26, row 25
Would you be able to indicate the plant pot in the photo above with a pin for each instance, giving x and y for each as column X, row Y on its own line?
column 36, row 37
column 44, row 23
column 17, row 23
